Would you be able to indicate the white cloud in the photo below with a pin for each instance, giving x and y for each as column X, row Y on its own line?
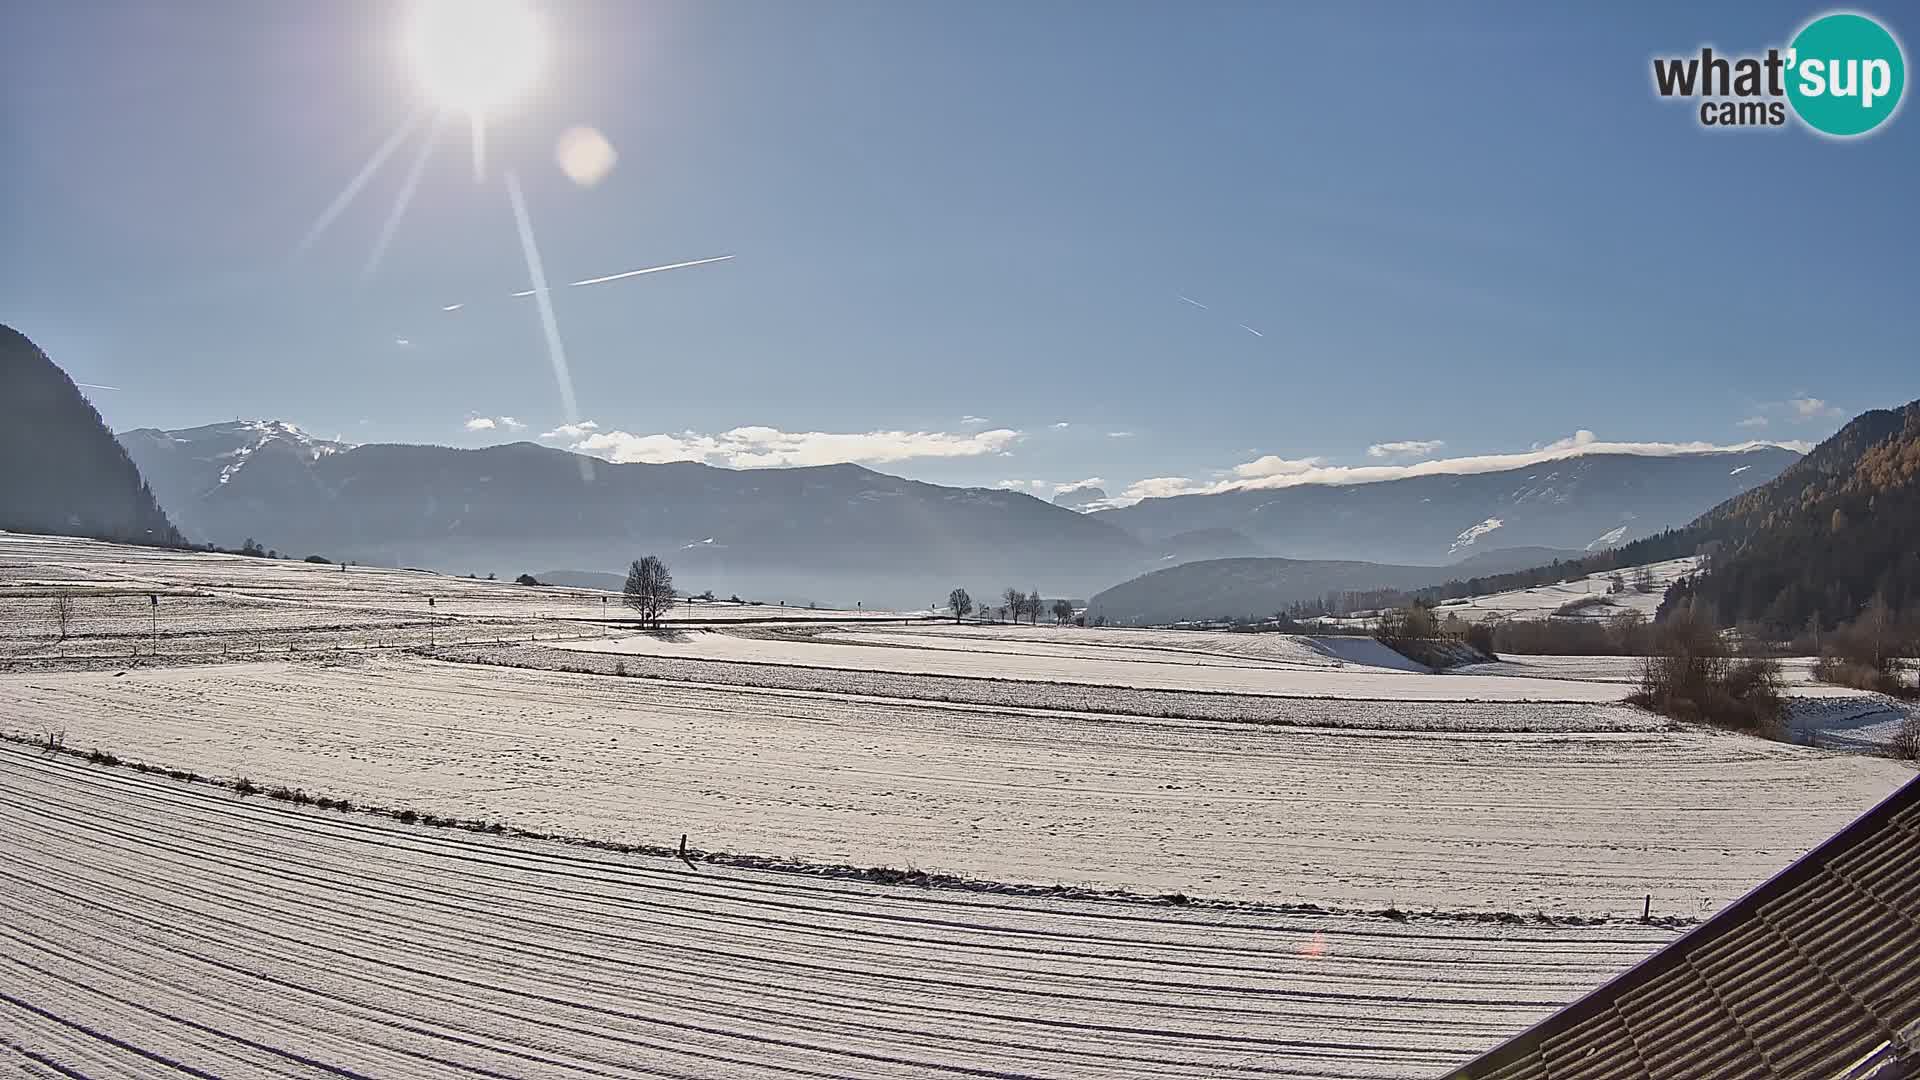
column 1806, row 409
column 1272, row 465
column 1752, row 422
column 492, row 423
column 1405, row 448
column 1119, row 434
column 1275, row 472
column 755, row 446
column 970, row 420
column 1050, row 487
column 1160, row 487
column 1061, row 425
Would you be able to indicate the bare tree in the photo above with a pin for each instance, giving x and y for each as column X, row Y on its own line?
column 1034, row 606
column 1643, row 580
column 62, row 613
column 960, row 604
column 649, row 590
column 1062, row 611
column 1013, row 603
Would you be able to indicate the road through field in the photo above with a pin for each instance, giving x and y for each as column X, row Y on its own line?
column 153, row 928
column 1560, row 820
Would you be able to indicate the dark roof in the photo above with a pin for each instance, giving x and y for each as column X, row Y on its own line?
column 1816, row 973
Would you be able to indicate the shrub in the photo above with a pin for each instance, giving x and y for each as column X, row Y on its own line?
column 100, row 757
column 245, row 786
column 1864, row 654
column 321, row 559
column 1689, row 676
column 1623, row 635
column 1581, row 604
column 1480, row 637
column 1905, row 743
column 1840, row 671
column 527, row 579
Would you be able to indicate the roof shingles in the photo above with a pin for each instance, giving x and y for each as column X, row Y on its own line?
column 1814, row 974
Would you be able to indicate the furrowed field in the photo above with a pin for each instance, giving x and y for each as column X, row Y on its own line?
column 913, row 848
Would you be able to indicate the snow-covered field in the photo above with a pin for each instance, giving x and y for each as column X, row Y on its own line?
column 1544, row 600
column 32, row 567
column 1795, row 671
column 1571, row 821
column 148, row 924
column 150, row 927
column 1104, row 658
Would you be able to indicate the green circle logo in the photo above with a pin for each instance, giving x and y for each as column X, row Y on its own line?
column 1845, row 74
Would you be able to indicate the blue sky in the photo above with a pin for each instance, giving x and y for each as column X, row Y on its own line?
column 1467, row 225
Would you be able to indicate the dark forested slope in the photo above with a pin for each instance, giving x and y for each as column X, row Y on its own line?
column 61, row 470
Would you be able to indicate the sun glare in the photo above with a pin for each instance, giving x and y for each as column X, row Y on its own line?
column 474, row 55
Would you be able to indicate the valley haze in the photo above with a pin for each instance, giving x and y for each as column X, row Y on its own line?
column 845, row 534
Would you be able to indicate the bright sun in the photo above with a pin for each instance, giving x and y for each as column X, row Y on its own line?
column 474, row 55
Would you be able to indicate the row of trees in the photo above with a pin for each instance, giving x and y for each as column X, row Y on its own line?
column 1014, row 605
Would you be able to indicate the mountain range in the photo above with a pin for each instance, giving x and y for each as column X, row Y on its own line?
column 1590, row 502
column 833, row 533
column 60, row 469
column 1260, row 587
column 844, row 534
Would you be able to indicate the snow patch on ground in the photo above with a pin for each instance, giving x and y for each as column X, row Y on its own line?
column 1542, row 601
column 1609, row 538
column 1467, row 538
column 1850, row 721
column 1366, row 652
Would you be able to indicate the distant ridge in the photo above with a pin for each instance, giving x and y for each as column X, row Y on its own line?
column 60, row 469
column 1586, row 502
column 1812, row 545
column 839, row 534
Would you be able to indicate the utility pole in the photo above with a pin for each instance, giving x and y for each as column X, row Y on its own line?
column 153, row 608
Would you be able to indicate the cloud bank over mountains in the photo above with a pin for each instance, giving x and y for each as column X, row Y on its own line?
column 759, row 447
column 1272, row 471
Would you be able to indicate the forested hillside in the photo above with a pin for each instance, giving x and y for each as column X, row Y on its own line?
column 1808, row 549
column 61, row 471
column 1847, row 533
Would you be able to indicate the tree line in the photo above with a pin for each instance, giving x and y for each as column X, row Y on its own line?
column 1014, row 606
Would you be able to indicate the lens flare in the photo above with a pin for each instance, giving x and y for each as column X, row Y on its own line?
column 585, row 155
column 475, row 55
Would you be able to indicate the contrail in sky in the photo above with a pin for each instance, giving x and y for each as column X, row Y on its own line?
column 1190, row 300
column 630, row 273
column 452, row 307
column 95, row 386
column 653, row 270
